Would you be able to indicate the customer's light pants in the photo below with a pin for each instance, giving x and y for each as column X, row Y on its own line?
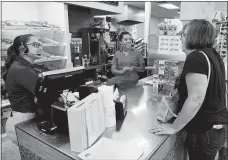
column 17, row 118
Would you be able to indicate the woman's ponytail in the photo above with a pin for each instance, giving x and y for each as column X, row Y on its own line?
column 9, row 61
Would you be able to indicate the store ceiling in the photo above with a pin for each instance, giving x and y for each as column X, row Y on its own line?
column 157, row 10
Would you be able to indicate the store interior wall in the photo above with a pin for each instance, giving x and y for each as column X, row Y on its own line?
column 100, row 6
column 220, row 6
column 19, row 11
column 52, row 12
column 203, row 10
column 154, row 21
column 140, row 30
column 79, row 18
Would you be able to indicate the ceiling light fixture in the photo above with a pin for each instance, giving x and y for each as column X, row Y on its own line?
column 168, row 6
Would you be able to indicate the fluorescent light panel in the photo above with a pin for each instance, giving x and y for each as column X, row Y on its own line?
column 168, row 6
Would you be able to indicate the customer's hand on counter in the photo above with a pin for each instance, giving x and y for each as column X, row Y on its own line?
column 163, row 129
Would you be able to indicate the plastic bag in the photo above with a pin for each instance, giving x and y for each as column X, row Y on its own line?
column 168, row 107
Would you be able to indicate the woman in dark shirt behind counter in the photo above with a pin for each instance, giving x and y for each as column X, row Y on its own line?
column 21, row 80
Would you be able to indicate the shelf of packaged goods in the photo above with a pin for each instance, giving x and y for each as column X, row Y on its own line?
column 5, row 103
column 2, row 81
column 2, row 64
column 5, row 47
column 54, row 45
column 29, row 28
column 50, row 59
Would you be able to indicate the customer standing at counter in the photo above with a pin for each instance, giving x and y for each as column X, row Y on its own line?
column 126, row 63
column 21, row 80
column 203, row 109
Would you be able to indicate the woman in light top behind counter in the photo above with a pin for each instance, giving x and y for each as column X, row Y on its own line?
column 126, row 64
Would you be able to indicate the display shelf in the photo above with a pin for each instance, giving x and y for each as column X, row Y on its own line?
column 54, row 45
column 52, row 37
column 30, row 28
column 5, row 103
column 5, row 47
column 2, row 64
column 222, row 40
column 50, row 59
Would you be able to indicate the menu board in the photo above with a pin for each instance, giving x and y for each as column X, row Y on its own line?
column 169, row 44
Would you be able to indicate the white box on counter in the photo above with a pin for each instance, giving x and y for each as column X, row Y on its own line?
column 86, row 122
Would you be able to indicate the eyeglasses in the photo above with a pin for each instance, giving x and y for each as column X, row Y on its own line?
column 36, row 44
column 183, row 35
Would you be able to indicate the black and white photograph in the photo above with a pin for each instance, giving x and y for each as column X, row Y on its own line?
column 114, row 80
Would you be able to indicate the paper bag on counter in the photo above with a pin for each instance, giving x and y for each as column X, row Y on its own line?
column 86, row 122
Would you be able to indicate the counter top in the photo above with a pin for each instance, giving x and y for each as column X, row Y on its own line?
column 88, row 67
column 166, row 56
column 141, row 116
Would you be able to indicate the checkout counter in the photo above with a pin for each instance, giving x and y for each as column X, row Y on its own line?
column 141, row 116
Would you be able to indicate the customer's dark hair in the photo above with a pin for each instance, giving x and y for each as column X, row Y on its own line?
column 201, row 34
column 19, row 44
column 122, row 34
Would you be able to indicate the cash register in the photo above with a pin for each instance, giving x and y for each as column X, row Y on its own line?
column 50, row 97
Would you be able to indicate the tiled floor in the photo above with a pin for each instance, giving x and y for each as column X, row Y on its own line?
column 9, row 150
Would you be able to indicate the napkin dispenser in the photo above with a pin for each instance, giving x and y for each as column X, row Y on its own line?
column 121, row 109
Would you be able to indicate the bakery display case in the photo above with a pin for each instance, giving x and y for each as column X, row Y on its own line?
column 51, row 36
column 52, row 57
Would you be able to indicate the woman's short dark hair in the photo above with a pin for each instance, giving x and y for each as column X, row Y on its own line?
column 122, row 34
column 201, row 34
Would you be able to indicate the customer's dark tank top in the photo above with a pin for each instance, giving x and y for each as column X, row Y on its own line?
column 213, row 110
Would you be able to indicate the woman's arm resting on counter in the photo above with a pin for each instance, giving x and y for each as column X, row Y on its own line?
column 197, row 87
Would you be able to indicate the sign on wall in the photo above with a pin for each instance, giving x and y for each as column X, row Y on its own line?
column 169, row 44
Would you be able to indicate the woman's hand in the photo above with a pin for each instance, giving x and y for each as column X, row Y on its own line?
column 125, row 69
column 128, row 69
column 164, row 129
